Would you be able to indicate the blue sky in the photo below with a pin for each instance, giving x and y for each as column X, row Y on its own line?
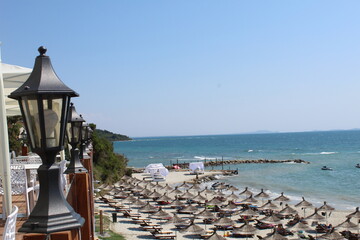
column 158, row 68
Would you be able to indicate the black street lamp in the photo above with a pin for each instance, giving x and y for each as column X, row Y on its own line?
column 84, row 136
column 74, row 128
column 89, row 135
column 44, row 102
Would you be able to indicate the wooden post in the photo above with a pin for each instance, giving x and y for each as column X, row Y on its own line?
column 78, row 198
column 222, row 163
column 101, row 223
column 65, row 235
column 87, row 163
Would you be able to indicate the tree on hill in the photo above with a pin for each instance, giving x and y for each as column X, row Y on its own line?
column 109, row 167
column 112, row 136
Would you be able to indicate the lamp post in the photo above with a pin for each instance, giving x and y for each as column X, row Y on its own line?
column 74, row 128
column 84, row 139
column 44, row 102
column 88, row 140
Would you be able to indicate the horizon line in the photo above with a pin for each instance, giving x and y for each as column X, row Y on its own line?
column 255, row 132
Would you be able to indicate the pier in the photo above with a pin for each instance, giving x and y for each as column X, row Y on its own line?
column 212, row 163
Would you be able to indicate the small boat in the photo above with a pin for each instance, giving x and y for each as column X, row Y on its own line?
column 326, row 168
column 357, row 165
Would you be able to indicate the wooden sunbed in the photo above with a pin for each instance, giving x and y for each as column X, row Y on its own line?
column 131, row 215
column 148, row 223
column 164, row 235
column 151, row 228
column 207, row 234
column 140, row 220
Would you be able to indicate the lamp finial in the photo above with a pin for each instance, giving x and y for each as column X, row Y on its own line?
column 42, row 50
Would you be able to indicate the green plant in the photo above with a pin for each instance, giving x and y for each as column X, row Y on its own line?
column 109, row 167
column 14, row 126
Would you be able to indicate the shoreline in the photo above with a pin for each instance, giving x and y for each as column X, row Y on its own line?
column 130, row 231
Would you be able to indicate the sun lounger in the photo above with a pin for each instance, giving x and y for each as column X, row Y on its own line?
column 158, row 234
column 140, row 220
column 207, row 234
column 152, row 228
column 148, row 223
column 131, row 215
column 164, row 236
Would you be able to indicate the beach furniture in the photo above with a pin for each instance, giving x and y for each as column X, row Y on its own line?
column 207, row 234
column 261, row 225
column 216, row 236
column 159, row 234
column 152, row 228
column 164, row 236
column 140, row 220
column 128, row 214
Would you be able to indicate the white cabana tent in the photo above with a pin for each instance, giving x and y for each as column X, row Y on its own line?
column 11, row 77
column 197, row 167
column 156, row 170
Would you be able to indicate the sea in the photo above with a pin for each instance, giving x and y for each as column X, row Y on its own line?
column 339, row 150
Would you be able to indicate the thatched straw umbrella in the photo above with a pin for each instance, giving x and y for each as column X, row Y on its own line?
column 250, row 200
column 304, row 204
column 193, row 229
column 275, row 236
column 270, row 206
column 332, row 235
column 281, row 198
column 315, row 216
column 206, row 214
column 271, row 219
column 246, row 229
column 187, row 195
column 288, row 211
column 246, row 192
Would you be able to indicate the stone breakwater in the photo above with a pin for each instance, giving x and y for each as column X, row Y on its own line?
column 258, row 161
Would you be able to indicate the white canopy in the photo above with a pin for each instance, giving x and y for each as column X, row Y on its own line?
column 197, row 166
column 155, row 168
column 13, row 77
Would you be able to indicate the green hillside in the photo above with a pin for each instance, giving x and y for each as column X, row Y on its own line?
column 111, row 136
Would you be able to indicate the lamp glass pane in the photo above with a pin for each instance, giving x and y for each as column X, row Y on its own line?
column 31, row 115
column 83, row 132
column 52, row 118
column 68, row 132
column 76, row 131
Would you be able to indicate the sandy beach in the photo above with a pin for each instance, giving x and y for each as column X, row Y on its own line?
column 128, row 227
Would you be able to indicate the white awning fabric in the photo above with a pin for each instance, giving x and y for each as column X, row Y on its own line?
column 13, row 77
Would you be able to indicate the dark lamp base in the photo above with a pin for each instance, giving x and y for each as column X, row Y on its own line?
column 52, row 213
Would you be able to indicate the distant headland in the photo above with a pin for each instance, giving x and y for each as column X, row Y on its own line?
column 112, row 136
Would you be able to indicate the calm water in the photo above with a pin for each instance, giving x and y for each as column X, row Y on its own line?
column 339, row 150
